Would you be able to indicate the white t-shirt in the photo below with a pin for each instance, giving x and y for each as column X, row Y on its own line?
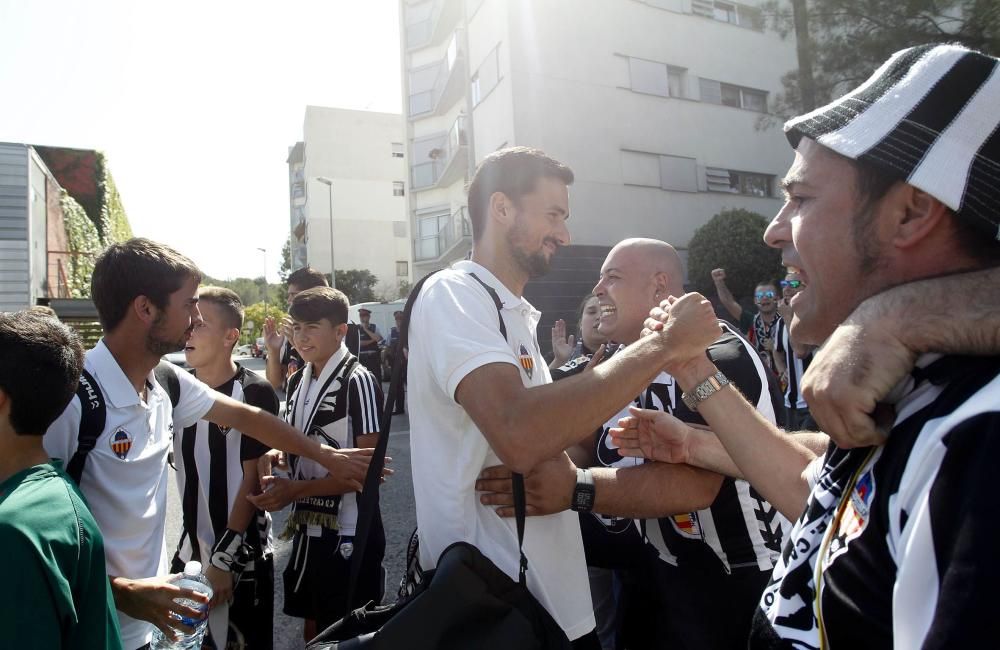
column 125, row 475
column 454, row 329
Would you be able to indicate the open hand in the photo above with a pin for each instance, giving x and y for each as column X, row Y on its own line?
column 222, row 584
column 562, row 346
column 654, row 435
column 547, row 489
column 276, row 493
column 272, row 338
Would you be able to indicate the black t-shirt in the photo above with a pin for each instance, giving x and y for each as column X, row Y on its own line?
column 908, row 561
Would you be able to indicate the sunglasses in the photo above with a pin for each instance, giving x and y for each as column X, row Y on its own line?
column 764, row 294
column 795, row 284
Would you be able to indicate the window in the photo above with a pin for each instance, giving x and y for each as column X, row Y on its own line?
column 402, row 268
column 397, row 149
column 654, row 78
column 729, row 12
column 428, row 228
column 674, row 173
column 715, row 92
column 422, row 81
column 398, row 188
column 486, row 77
column 736, row 182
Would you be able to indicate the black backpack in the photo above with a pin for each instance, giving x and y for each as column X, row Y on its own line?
column 94, row 413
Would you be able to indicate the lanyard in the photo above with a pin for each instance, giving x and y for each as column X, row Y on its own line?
column 824, row 548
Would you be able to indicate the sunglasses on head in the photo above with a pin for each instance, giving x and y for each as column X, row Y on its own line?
column 795, row 284
column 764, row 294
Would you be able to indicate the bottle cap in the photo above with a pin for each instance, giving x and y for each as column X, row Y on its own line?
column 192, row 568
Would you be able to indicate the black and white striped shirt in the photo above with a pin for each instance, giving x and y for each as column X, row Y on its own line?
column 209, row 472
column 795, row 367
column 740, row 527
column 908, row 559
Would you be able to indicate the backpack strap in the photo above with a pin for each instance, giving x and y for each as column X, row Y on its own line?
column 496, row 301
column 93, row 417
column 166, row 376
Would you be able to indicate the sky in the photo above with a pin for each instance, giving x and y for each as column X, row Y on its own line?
column 195, row 104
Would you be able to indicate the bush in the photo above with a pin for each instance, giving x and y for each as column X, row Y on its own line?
column 733, row 240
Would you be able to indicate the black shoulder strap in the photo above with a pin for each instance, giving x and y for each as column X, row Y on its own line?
column 93, row 416
column 496, row 301
column 166, row 377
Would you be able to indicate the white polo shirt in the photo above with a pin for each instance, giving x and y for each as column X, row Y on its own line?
column 125, row 476
column 454, row 329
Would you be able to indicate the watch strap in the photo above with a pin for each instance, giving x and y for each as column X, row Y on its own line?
column 704, row 390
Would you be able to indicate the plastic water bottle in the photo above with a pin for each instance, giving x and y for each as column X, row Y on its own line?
column 193, row 579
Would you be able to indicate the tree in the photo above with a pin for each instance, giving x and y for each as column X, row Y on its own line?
column 255, row 314
column 286, row 261
column 357, row 284
column 841, row 42
column 733, row 240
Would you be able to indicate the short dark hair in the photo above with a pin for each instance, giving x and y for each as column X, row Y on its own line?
column 133, row 268
column 871, row 184
column 227, row 300
column 307, row 278
column 42, row 360
column 318, row 303
column 514, row 172
column 766, row 283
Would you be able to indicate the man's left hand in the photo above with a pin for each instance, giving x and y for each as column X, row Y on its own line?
column 222, row 585
column 547, row 489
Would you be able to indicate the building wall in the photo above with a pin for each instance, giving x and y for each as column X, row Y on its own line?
column 354, row 149
column 14, row 256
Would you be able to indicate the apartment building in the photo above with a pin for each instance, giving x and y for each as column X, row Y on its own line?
column 659, row 106
column 347, row 193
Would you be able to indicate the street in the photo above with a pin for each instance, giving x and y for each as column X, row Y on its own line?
column 398, row 517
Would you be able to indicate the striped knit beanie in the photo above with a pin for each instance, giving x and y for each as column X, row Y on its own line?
column 928, row 116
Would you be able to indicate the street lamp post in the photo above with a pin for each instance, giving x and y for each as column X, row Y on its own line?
column 264, row 251
column 333, row 272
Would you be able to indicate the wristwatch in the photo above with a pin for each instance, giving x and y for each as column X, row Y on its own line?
column 583, row 493
column 704, row 390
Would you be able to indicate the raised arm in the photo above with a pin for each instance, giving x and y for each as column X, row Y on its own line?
column 725, row 295
column 273, row 341
column 879, row 343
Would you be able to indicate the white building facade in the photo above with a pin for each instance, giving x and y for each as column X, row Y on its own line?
column 658, row 106
column 349, row 172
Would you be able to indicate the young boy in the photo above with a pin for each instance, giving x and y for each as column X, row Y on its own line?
column 56, row 592
column 336, row 400
column 216, row 470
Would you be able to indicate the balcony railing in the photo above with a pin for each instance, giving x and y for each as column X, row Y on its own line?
column 456, row 229
column 439, row 85
column 445, row 157
column 427, row 22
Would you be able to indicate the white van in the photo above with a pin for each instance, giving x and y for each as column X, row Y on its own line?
column 382, row 314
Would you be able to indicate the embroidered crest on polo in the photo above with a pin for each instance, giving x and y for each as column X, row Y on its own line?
column 527, row 362
column 121, row 442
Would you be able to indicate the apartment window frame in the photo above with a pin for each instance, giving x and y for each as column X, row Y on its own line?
column 478, row 92
column 402, row 269
column 732, row 95
column 743, row 183
column 673, row 77
column 398, row 150
column 398, row 188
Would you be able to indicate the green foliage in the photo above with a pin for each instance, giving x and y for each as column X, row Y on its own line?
column 732, row 240
column 250, row 290
column 83, row 244
column 286, row 261
column 849, row 39
column 115, row 223
column 255, row 313
column 357, row 284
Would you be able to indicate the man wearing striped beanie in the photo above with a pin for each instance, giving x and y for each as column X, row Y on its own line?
column 893, row 186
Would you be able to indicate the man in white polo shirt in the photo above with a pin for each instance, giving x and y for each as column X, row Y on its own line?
column 481, row 393
column 146, row 297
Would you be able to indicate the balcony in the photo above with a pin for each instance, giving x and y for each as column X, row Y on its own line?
column 452, row 230
column 428, row 22
column 444, row 158
column 436, row 87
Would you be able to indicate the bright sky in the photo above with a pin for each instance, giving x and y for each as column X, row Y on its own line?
column 195, row 103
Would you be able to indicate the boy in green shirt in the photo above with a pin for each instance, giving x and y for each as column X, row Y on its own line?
column 56, row 592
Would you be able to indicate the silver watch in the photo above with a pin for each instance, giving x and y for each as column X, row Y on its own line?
column 704, row 390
